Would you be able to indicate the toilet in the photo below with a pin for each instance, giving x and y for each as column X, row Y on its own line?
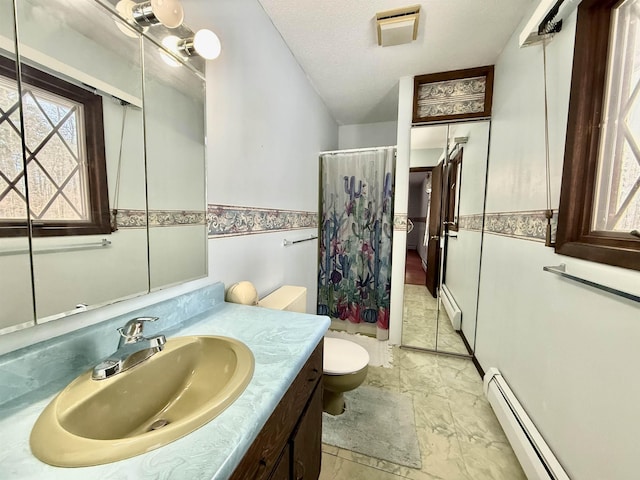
column 345, row 368
column 345, row 363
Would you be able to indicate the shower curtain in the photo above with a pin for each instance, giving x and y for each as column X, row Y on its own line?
column 354, row 279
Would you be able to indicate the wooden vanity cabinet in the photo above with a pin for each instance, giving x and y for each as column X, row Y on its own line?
column 289, row 446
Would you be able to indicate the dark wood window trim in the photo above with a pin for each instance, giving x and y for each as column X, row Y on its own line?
column 95, row 151
column 574, row 236
column 453, row 191
column 486, row 71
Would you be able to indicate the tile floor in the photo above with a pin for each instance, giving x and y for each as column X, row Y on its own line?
column 426, row 327
column 459, row 436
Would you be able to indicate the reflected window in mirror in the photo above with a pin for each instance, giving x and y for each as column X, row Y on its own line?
column 599, row 216
column 64, row 154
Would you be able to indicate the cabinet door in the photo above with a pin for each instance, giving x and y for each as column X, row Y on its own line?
column 262, row 457
column 306, row 441
column 282, row 469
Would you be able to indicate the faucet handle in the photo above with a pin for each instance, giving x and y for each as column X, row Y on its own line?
column 132, row 330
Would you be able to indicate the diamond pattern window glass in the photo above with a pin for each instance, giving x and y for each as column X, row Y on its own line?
column 64, row 154
column 12, row 200
column 617, row 204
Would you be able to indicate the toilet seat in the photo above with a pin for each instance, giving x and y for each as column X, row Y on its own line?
column 342, row 357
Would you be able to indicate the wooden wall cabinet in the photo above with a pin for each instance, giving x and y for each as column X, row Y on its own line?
column 289, row 446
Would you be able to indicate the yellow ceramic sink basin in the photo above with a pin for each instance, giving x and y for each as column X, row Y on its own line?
column 165, row 397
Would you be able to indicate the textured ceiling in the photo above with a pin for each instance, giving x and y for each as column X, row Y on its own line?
column 335, row 43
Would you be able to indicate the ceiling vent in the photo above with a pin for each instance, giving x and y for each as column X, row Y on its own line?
column 398, row 26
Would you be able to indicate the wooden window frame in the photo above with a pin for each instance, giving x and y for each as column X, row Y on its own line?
column 454, row 171
column 97, row 187
column 575, row 237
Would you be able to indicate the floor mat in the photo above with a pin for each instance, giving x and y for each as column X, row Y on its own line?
column 376, row 423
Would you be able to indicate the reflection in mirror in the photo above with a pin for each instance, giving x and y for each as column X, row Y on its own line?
column 82, row 97
column 16, row 295
column 422, row 269
column 467, row 172
column 443, row 318
column 175, row 131
column 81, row 81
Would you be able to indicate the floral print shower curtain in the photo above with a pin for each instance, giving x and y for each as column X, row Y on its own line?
column 354, row 280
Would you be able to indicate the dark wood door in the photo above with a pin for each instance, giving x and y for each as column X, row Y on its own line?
column 306, row 442
column 433, row 246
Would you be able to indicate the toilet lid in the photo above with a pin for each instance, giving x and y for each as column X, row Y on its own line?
column 342, row 357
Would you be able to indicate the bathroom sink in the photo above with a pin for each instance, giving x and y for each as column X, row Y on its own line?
column 176, row 391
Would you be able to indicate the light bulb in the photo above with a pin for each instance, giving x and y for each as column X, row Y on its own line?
column 207, row 44
column 124, row 8
column 170, row 42
column 168, row 12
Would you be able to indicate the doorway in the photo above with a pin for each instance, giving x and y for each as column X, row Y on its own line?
column 418, row 220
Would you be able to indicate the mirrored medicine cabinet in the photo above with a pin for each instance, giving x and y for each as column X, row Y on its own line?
column 102, row 162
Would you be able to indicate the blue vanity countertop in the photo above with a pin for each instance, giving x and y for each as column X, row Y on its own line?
column 281, row 343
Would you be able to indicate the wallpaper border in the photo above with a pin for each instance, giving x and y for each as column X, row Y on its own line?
column 400, row 221
column 233, row 220
column 529, row 225
column 471, row 222
column 133, row 218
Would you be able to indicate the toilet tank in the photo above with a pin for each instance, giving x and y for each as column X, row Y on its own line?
column 287, row 297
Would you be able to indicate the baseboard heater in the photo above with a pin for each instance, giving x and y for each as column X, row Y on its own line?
column 536, row 458
column 451, row 307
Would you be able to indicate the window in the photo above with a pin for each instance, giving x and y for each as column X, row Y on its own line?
column 599, row 214
column 65, row 157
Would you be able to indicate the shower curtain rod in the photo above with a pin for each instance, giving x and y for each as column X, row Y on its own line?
column 353, row 150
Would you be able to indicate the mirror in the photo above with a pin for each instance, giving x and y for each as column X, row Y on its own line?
column 420, row 312
column 110, row 183
column 446, row 200
column 175, row 132
column 16, row 295
column 59, row 43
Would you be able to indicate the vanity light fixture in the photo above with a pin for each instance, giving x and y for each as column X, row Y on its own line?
column 152, row 12
column 204, row 43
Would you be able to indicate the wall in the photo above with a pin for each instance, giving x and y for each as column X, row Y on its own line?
column 381, row 134
column 426, row 157
column 265, row 128
column 400, row 208
column 569, row 352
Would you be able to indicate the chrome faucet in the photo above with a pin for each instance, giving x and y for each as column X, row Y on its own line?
column 133, row 348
